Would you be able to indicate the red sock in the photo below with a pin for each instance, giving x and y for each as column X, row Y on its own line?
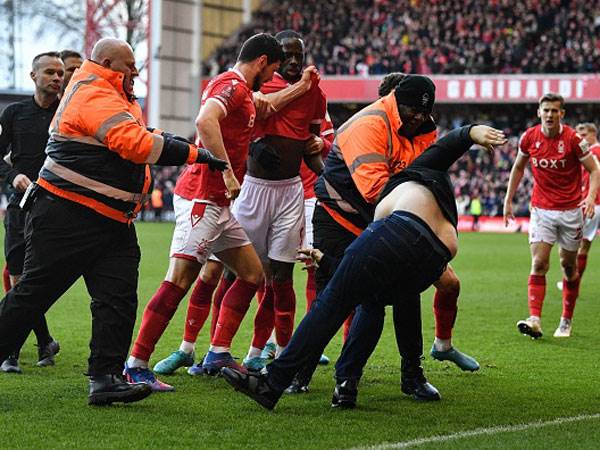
column 347, row 325
column 264, row 321
column 581, row 264
column 445, row 309
column 157, row 314
column 198, row 309
column 311, row 287
column 222, row 289
column 233, row 309
column 6, row 279
column 536, row 291
column 285, row 310
column 570, row 293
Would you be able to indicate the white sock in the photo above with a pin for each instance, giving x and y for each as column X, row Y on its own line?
column 272, row 339
column 135, row 362
column 534, row 318
column 217, row 349
column 187, row 347
column 442, row 345
column 254, row 352
column 279, row 350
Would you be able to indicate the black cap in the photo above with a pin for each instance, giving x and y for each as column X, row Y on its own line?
column 416, row 91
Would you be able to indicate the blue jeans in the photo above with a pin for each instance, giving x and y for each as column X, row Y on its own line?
column 391, row 262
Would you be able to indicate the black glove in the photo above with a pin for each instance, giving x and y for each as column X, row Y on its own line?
column 206, row 157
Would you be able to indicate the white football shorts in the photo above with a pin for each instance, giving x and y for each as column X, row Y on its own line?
column 272, row 214
column 309, row 209
column 562, row 227
column 202, row 228
column 590, row 227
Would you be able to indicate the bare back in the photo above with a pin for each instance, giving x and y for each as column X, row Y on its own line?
column 417, row 199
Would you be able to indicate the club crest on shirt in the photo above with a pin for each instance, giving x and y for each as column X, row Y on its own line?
column 561, row 146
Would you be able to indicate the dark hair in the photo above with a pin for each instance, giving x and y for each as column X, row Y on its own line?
column 34, row 63
column 552, row 97
column 70, row 54
column 389, row 82
column 287, row 34
column 258, row 45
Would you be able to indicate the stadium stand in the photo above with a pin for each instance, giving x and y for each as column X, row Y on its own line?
column 362, row 37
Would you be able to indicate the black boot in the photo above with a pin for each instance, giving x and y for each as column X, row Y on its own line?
column 254, row 385
column 344, row 394
column 414, row 382
column 108, row 389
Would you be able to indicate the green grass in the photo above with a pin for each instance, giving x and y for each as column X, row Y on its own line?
column 521, row 380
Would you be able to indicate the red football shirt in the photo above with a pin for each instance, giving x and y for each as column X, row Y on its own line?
column 294, row 119
column 585, row 175
column 231, row 92
column 555, row 165
column 307, row 175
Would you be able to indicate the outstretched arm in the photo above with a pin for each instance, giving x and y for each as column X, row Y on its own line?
column 442, row 154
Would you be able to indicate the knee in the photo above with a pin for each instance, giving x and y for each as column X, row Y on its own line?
column 211, row 272
column 281, row 272
column 450, row 286
column 252, row 274
column 539, row 266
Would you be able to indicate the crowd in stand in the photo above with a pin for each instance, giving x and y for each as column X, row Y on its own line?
column 371, row 37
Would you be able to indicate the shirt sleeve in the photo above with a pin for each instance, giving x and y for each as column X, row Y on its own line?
column 581, row 146
column 523, row 146
column 229, row 95
column 320, row 109
column 7, row 172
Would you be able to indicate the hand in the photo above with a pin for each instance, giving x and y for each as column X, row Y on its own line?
column 589, row 207
column 507, row 213
column 263, row 105
column 214, row 163
column 310, row 75
column 486, row 136
column 232, row 185
column 21, row 182
column 311, row 256
column 314, row 145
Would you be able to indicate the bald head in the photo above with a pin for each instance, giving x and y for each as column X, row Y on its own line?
column 117, row 55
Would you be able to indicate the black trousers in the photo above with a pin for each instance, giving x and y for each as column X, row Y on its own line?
column 14, row 253
column 66, row 241
column 398, row 254
column 333, row 240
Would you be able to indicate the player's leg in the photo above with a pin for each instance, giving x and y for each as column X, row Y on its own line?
column 445, row 308
column 197, row 227
column 197, row 312
column 569, row 239
column 543, row 233
column 264, row 324
column 14, row 250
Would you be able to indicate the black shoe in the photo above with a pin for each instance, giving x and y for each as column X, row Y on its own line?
column 344, row 394
column 11, row 365
column 108, row 389
column 413, row 382
column 297, row 387
column 47, row 352
column 254, row 385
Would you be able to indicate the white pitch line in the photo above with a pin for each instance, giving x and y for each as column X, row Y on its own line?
column 479, row 432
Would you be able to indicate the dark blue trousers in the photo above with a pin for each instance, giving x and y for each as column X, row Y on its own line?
column 391, row 262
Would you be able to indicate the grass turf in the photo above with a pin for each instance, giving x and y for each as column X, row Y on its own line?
column 521, row 381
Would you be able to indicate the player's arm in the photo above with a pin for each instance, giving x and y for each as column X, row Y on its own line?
column 516, row 174
column 12, row 176
column 313, row 149
column 268, row 104
column 209, row 131
column 590, row 164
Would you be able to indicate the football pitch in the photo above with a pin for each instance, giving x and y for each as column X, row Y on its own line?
column 528, row 394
